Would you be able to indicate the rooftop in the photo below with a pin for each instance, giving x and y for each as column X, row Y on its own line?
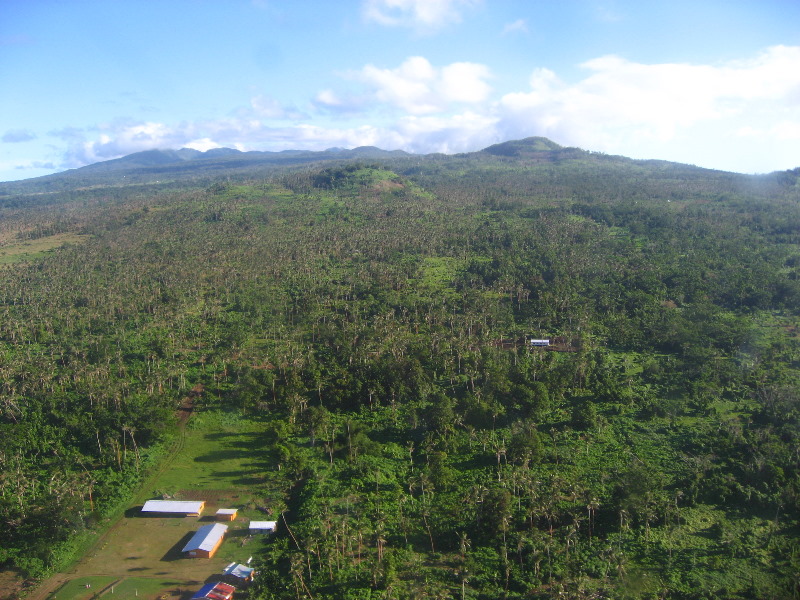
column 173, row 506
column 206, row 538
column 238, row 570
column 215, row 591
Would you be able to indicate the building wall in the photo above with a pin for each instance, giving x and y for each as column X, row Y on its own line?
column 205, row 553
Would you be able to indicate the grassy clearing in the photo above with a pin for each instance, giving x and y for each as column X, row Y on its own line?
column 222, row 451
column 225, row 461
column 33, row 249
column 76, row 589
column 140, row 587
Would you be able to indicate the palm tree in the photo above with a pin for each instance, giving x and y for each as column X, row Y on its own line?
column 592, row 507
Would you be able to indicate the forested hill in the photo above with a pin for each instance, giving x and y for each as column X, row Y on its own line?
column 372, row 315
column 187, row 165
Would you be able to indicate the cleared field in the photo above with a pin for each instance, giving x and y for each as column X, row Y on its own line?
column 139, row 587
column 222, row 452
column 32, row 249
column 83, row 588
column 224, row 461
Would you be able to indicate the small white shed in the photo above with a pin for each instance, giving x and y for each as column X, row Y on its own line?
column 263, row 526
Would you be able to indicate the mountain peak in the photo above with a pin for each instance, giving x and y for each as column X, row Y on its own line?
column 523, row 147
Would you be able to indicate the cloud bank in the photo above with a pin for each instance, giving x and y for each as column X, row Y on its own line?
column 617, row 106
column 15, row 136
column 422, row 15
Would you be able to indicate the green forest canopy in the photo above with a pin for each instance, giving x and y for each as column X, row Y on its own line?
column 374, row 315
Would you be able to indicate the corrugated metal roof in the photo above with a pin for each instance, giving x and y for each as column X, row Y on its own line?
column 206, row 537
column 238, row 570
column 271, row 525
column 227, row 511
column 173, row 506
column 215, row 591
column 203, row 591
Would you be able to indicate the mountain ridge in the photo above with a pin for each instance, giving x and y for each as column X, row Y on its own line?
column 157, row 166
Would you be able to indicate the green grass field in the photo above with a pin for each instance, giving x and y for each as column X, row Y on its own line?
column 32, row 249
column 225, row 460
column 75, row 589
column 222, row 451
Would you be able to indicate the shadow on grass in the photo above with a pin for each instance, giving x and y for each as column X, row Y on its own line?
column 136, row 513
column 175, row 553
column 220, row 455
column 243, row 477
column 238, row 533
column 254, row 438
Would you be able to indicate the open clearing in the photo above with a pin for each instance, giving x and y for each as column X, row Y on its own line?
column 225, row 460
column 30, row 249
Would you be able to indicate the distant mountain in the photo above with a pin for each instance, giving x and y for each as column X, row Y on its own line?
column 180, row 159
column 158, row 166
column 527, row 146
column 165, row 167
column 145, row 159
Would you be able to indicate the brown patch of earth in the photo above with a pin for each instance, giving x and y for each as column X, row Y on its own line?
column 387, row 186
column 12, row 584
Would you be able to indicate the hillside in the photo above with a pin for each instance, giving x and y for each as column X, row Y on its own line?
column 359, row 323
column 184, row 165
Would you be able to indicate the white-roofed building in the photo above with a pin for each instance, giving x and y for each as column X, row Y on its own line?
column 206, row 541
column 189, row 508
column 227, row 514
column 263, row 526
column 239, row 572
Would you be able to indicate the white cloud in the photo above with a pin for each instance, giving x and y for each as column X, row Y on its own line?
column 627, row 107
column 418, row 87
column 741, row 116
column 16, row 136
column 423, row 15
column 330, row 101
column 518, row 26
column 328, row 98
column 268, row 107
column 785, row 130
column 121, row 138
column 202, row 144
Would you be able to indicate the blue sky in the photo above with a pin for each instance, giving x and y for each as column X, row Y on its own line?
column 711, row 83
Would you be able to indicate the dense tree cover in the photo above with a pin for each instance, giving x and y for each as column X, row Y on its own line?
column 376, row 314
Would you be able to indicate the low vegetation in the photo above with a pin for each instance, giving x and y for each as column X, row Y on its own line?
column 357, row 332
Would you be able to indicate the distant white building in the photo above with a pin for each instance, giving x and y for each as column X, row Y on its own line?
column 539, row 343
